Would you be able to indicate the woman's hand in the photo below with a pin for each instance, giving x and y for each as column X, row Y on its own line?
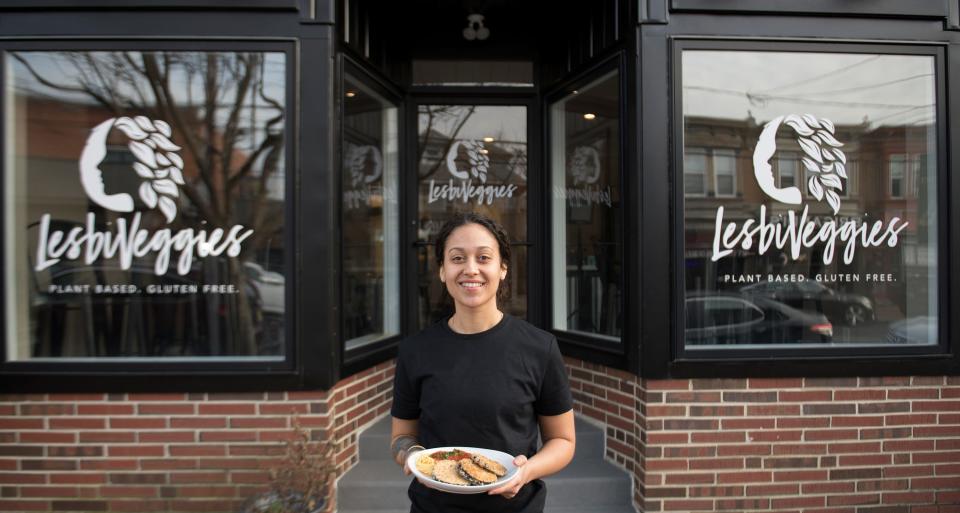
column 511, row 489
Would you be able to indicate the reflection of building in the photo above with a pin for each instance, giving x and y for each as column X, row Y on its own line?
column 884, row 166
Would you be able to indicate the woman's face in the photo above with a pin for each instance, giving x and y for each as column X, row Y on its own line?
column 472, row 269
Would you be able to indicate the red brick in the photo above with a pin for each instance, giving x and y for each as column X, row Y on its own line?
column 690, row 478
column 22, row 478
column 716, row 463
column 78, row 478
column 742, row 504
column 748, row 423
column 743, row 450
column 853, row 447
column 800, row 475
column 129, row 491
column 46, row 409
column 831, row 434
column 803, row 422
column 135, row 450
column 197, row 422
column 774, row 489
column 19, row 505
column 914, row 393
column 848, row 500
column 198, row 450
column 911, row 420
column 166, row 409
column 798, row 502
column 668, row 438
column 167, row 464
column 258, row 422
column 228, row 436
column 47, row 437
column 860, row 460
column 841, row 487
column 744, row 477
column 935, row 483
column 806, row 395
column 857, row 421
column 112, row 464
column 778, row 383
column 7, row 423
column 284, row 409
column 692, row 397
column 936, row 406
column 138, row 423
column 801, row 448
column 675, row 384
column 907, row 497
column 780, row 435
column 908, row 445
column 924, row 431
column 908, row 471
column 166, row 436
column 77, row 423
column 860, row 395
column 227, row 409
column 937, row 457
column 105, row 409
column 688, row 505
column 107, row 437
column 666, row 411
column 718, row 437
column 661, row 465
column 767, row 410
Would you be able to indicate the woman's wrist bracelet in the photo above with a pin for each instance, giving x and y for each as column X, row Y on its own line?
column 401, row 445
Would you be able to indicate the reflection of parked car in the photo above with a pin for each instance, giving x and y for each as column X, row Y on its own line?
column 812, row 296
column 269, row 287
column 913, row 330
column 725, row 318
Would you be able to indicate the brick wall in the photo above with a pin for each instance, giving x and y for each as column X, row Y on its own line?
column 168, row 452
column 846, row 445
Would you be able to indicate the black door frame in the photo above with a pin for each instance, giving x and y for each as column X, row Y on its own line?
column 528, row 97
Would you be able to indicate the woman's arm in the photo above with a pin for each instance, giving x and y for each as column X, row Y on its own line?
column 403, row 437
column 560, row 442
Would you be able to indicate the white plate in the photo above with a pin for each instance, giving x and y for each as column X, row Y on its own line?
column 503, row 458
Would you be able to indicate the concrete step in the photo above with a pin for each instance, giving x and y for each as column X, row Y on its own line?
column 375, row 441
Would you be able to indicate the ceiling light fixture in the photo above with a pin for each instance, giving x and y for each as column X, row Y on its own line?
column 488, row 139
column 475, row 28
column 351, row 94
column 589, row 116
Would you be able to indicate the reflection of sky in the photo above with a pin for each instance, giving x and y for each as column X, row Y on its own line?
column 503, row 123
column 118, row 79
column 844, row 88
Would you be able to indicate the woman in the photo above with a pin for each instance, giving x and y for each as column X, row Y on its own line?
column 482, row 378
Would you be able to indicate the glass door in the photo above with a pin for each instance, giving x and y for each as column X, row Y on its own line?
column 470, row 158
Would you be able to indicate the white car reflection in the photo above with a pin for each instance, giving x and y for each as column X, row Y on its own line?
column 269, row 287
column 913, row 330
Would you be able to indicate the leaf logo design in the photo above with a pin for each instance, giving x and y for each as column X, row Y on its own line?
column 585, row 164
column 476, row 155
column 158, row 163
column 823, row 159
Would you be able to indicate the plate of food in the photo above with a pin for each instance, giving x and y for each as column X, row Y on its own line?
column 462, row 469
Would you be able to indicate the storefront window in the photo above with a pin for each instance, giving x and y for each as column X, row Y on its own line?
column 144, row 204
column 587, row 210
column 371, row 270
column 471, row 158
column 831, row 237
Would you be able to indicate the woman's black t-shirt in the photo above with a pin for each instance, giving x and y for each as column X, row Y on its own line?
column 480, row 390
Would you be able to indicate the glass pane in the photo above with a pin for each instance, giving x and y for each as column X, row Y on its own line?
column 587, row 210
column 827, row 254
column 144, row 204
column 371, row 226
column 471, row 158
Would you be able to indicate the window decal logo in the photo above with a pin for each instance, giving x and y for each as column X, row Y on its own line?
column 823, row 159
column 796, row 231
column 478, row 158
column 364, row 162
column 585, row 168
column 161, row 168
column 157, row 163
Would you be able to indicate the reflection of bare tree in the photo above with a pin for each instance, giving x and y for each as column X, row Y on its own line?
column 225, row 143
column 437, row 114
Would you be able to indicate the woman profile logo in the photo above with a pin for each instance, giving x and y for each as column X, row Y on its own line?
column 823, row 160
column 157, row 163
